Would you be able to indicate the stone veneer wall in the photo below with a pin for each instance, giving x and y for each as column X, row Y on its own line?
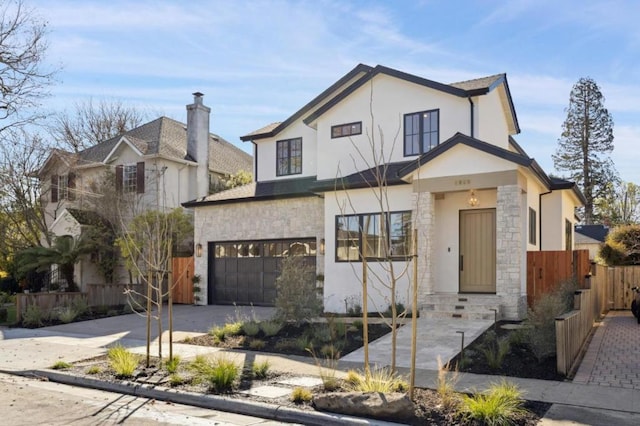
column 423, row 213
column 509, row 246
column 272, row 219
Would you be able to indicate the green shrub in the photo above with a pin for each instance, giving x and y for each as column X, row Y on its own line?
column 620, row 247
column 358, row 324
column 233, row 329
column 304, row 342
column 494, row 349
column 251, row 328
column 446, row 384
column 94, row 369
column 172, row 364
column 500, row 405
column 80, row 305
column 218, row 334
column 257, row 344
column 300, row 395
column 322, row 333
column 122, row 361
column 176, row 380
column 260, row 369
column 33, row 316
column 541, row 325
column 220, row 373
column 330, row 351
column 271, row 328
column 67, row 314
column 297, row 299
column 378, row 380
column 61, row 365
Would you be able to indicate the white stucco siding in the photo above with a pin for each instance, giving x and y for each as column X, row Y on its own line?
column 343, row 280
column 447, row 231
column 266, row 152
column 557, row 207
column 533, row 191
column 259, row 220
column 388, row 100
column 464, row 160
column 490, row 116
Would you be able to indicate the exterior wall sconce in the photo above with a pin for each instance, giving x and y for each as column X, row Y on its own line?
column 198, row 250
column 473, row 199
column 322, row 246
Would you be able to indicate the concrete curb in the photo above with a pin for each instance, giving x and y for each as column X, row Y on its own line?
column 214, row 402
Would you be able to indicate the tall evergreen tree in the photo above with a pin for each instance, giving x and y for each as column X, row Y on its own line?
column 586, row 142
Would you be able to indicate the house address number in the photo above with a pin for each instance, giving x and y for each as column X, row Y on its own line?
column 459, row 182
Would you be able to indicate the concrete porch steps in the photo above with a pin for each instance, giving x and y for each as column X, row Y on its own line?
column 462, row 306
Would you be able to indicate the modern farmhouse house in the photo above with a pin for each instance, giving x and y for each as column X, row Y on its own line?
column 442, row 159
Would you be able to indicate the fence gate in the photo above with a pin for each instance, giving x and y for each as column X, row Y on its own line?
column 182, row 287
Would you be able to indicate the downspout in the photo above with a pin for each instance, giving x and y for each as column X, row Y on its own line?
column 255, row 162
column 540, row 214
column 471, row 114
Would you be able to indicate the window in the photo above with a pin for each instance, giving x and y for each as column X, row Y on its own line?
column 349, row 129
column 130, row 179
column 421, row 132
column 532, row 226
column 371, row 233
column 568, row 231
column 289, row 157
column 63, row 187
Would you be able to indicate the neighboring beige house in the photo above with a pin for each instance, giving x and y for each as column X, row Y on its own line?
column 158, row 165
column 590, row 237
column 452, row 170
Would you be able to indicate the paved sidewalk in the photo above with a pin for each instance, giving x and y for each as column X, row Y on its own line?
column 613, row 356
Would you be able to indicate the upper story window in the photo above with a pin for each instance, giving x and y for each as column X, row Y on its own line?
column 370, row 234
column 130, row 178
column 421, row 132
column 63, row 187
column 348, row 129
column 289, row 157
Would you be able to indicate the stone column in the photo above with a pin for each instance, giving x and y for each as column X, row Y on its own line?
column 423, row 214
column 509, row 246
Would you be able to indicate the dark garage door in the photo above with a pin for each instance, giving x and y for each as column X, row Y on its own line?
column 245, row 272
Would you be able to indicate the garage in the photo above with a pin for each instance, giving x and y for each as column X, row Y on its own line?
column 245, row 272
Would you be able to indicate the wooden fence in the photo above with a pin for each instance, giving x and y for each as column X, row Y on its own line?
column 618, row 280
column 182, row 287
column 96, row 295
column 547, row 269
column 573, row 328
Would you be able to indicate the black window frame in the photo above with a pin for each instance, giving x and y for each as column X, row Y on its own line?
column 286, row 146
column 533, row 226
column 349, row 127
column 420, row 132
column 568, row 235
column 355, row 237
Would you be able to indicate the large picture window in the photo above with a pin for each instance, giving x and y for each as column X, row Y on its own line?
column 289, row 157
column 370, row 233
column 421, row 132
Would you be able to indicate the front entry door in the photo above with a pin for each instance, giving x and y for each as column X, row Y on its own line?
column 478, row 251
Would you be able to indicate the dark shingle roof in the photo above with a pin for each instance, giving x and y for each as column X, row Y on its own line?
column 596, row 232
column 483, row 83
column 168, row 137
column 388, row 173
column 87, row 217
column 258, row 191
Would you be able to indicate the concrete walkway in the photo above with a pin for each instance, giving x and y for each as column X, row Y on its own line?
column 593, row 402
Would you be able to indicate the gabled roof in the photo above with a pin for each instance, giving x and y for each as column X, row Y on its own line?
column 167, row 137
column 268, row 131
column 387, row 173
column 260, row 191
column 87, row 217
column 364, row 73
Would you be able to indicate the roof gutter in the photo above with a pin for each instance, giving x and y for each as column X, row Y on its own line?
column 471, row 114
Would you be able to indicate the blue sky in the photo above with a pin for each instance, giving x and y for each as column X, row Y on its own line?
column 259, row 61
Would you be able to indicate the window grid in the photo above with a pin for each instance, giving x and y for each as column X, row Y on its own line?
column 63, row 187
column 421, row 132
column 289, row 157
column 349, row 129
column 353, row 231
column 130, row 178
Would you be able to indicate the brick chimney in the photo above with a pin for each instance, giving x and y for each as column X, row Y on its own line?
column 198, row 144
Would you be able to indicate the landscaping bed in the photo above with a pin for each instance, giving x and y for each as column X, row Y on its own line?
column 518, row 361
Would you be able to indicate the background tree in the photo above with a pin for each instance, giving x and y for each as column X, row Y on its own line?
column 93, row 122
column 622, row 246
column 242, row 177
column 24, row 80
column 586, row 142
column 620, row 205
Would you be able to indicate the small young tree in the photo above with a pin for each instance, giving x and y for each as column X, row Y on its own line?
column 297, row 299
column 147, row 245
